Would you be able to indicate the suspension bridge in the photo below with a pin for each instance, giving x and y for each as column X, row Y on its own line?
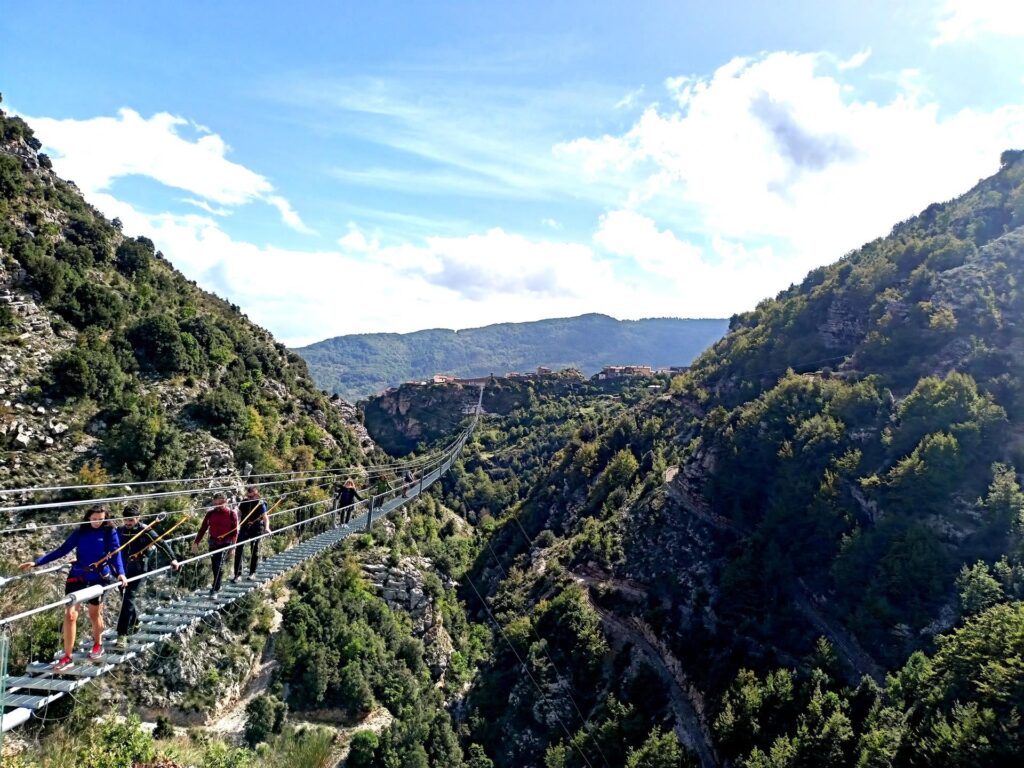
column 28, row 693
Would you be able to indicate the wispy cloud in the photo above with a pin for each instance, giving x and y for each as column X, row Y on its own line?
column 427, row 136
column 631, row 99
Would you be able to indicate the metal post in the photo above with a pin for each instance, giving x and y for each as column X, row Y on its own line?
column 5, row 647
column 369, row 514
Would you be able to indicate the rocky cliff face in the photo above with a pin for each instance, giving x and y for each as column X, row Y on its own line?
column 34, row 429
column 401, row 419
column 402, row 587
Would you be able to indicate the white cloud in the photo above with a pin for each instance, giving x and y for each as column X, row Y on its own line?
column 454, row 282
column 355, row 240
column 97, row 151
column 658, row 252
column 205, row 206
column 856, row 61
column 631, row 99
column 773, row 151
column 288, row 214
column 966, row 19
column 727, row 278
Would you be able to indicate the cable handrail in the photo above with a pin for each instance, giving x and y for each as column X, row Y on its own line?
column 29, row 527
column 332, row 475
column 181, row 480
column 71, row 599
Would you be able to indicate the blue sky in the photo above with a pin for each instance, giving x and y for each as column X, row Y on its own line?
column 350, row 167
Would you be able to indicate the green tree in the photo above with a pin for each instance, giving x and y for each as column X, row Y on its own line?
column 977, row 589
column 361, row 752
column 160, row 346
column 621, row 469
column 660, row 750
column 264, row 715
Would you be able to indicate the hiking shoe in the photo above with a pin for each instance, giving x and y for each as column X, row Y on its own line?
column 96, row 652
column 122, row 643
column 236, row 578
column 63, row 662
column 251, row 577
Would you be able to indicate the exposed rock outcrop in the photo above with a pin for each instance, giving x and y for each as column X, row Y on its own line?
column 403, row 588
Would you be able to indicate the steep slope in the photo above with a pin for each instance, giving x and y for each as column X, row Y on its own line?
column 360, row 365
column 845, row 465
column 114, row 365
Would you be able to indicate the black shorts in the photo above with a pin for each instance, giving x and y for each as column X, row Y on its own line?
column 75, row 583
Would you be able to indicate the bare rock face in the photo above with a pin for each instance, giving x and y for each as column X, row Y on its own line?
column 402, row 587
column 842, row 327
column 196, row 676
column 35, row 433
column 350, row 416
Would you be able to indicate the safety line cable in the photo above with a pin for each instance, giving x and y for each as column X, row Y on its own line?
column 70, row 599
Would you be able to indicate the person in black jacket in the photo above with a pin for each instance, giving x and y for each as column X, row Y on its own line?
column 345, row 499
column 138, row 542
column 254, row 521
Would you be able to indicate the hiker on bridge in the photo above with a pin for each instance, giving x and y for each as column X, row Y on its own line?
column 97, row 561
column 380, row 491
column 345, row 498
column 136, row 551
column 255, row 521
column 408, row 480
column 222, row 522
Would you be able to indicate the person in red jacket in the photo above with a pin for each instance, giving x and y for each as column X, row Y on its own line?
column 222, row 522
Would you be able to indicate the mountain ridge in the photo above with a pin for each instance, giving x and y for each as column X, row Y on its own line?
column 359, row 365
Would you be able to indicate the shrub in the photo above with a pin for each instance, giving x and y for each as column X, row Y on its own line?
column 362, row 749
column 264, row 715
column 145, row 444
column 164, row 729
column 355, row 691
column 11, row 180
column 225, row 412
column 114, row 744
column 89, row 369
column 160, row 346
column 134, row 256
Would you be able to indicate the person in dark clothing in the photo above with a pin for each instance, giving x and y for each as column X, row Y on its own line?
column 138, row 542
column 381, row 489
column 345, row 499
column 97, row 561
column 408, row 479
column 255, row 521
column 222, row 522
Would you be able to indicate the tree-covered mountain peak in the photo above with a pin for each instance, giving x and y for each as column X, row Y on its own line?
column 898, row 305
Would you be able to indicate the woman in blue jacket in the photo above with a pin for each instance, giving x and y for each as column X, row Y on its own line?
column 97, row 561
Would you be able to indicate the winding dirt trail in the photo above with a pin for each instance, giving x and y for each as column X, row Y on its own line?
column 856, row 658
column 686, row 701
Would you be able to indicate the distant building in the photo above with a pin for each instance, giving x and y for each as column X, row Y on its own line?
column 479, row 380
column 620, row 371
column 542, row 371
column 442, row 378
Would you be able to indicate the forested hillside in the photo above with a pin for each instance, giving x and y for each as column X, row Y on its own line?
column 808, row 550
column 360, row 365
column 811, row 548
column 116, row 366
